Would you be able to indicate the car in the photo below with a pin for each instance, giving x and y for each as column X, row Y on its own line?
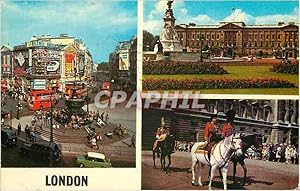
column 93, row 160
column 4, row 114
column 42, row 151
column 8, row 137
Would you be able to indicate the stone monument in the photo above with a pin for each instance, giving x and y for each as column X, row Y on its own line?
column 168, row 37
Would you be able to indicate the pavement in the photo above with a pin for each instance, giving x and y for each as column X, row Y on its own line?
column 117, row 150
column 261, row 175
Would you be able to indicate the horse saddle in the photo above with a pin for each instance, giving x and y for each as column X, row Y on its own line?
column 204, row 148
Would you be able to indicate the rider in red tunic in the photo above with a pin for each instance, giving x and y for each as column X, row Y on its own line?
column 210, row 129
column 161, row 133
column 228, row 128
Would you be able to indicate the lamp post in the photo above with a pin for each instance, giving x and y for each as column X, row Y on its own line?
column 233, row 52
column 51, row 129
column 19, row 106
column 201, row 39
column 87, row 97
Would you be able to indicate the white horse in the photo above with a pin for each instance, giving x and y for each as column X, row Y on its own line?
column 219, row 157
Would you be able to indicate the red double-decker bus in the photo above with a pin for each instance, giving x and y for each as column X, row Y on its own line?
column 40, row 99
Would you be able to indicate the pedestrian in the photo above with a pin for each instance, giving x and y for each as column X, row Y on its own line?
column 32, row 137
column 278, row 153
column 102, row 116
column 19, row 129
column 106, row 119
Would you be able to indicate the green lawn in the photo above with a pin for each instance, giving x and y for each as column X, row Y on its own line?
column 242, row 72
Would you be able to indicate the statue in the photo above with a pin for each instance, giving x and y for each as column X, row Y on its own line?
column 168, row 37
column 169, row 4
column 169, row 33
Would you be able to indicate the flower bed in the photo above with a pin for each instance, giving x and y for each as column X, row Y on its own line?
column 184, row 84
column 172, row 67
column 286, row 67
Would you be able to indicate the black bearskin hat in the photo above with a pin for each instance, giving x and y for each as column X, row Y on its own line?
column 230, row 115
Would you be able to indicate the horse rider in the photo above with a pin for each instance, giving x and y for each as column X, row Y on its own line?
column 228, row 128
column 211, row 133
column 161, row 133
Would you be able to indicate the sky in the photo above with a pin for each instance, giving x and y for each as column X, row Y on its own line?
column 213, row 12
column 101, row 24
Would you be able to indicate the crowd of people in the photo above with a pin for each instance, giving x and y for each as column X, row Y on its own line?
column 185, row 146
column 275, row 152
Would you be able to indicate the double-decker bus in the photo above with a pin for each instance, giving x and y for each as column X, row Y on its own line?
column 40, row 99
column 106, row 86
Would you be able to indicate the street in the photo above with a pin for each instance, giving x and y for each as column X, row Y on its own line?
column 262, row 175
column 74, row 143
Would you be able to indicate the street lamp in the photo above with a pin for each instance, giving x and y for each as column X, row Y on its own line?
column 19, row 106
column 87, row 96
column 201, row 39
column 51, row 128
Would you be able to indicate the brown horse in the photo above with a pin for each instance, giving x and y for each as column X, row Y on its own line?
column 165, row 148
column 248, row 141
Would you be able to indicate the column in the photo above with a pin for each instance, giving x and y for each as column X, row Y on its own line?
column 289, row 137
column 257, row 114
column 245, row 112
column 276, row 134
column 287, row 112
column 293, row 118
column 275, row 111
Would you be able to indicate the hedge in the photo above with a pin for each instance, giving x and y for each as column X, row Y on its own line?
column 286, row 67
column 176, row 84
column 173, row 67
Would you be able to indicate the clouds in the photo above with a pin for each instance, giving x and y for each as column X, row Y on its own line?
column 203, row 13
column 92, row 20
column 293, row 17
column 239, row 15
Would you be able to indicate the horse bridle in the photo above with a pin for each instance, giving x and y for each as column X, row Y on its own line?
column 228, row 149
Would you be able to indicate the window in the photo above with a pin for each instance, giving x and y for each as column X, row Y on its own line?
column 266, row 131
column 242, row 128
column 254, row 130
column 273, row 36
column 217, row 36
column 278, row 37
column 99, row 160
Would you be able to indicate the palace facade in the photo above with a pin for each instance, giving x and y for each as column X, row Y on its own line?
column 277, row 120
column 239, row 39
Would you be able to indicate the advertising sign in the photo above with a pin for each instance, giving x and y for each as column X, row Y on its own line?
column 69, row 58
column 123, row 62
column 39, row 84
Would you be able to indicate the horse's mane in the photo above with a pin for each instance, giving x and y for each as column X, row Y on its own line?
column 249, row 140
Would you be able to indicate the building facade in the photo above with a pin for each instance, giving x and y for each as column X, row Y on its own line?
column 123, row 64
column 277, row 120
column 54, row 60
column 237, row 39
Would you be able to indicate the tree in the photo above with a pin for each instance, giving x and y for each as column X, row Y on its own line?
column 147, row 40
column 103, row 66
